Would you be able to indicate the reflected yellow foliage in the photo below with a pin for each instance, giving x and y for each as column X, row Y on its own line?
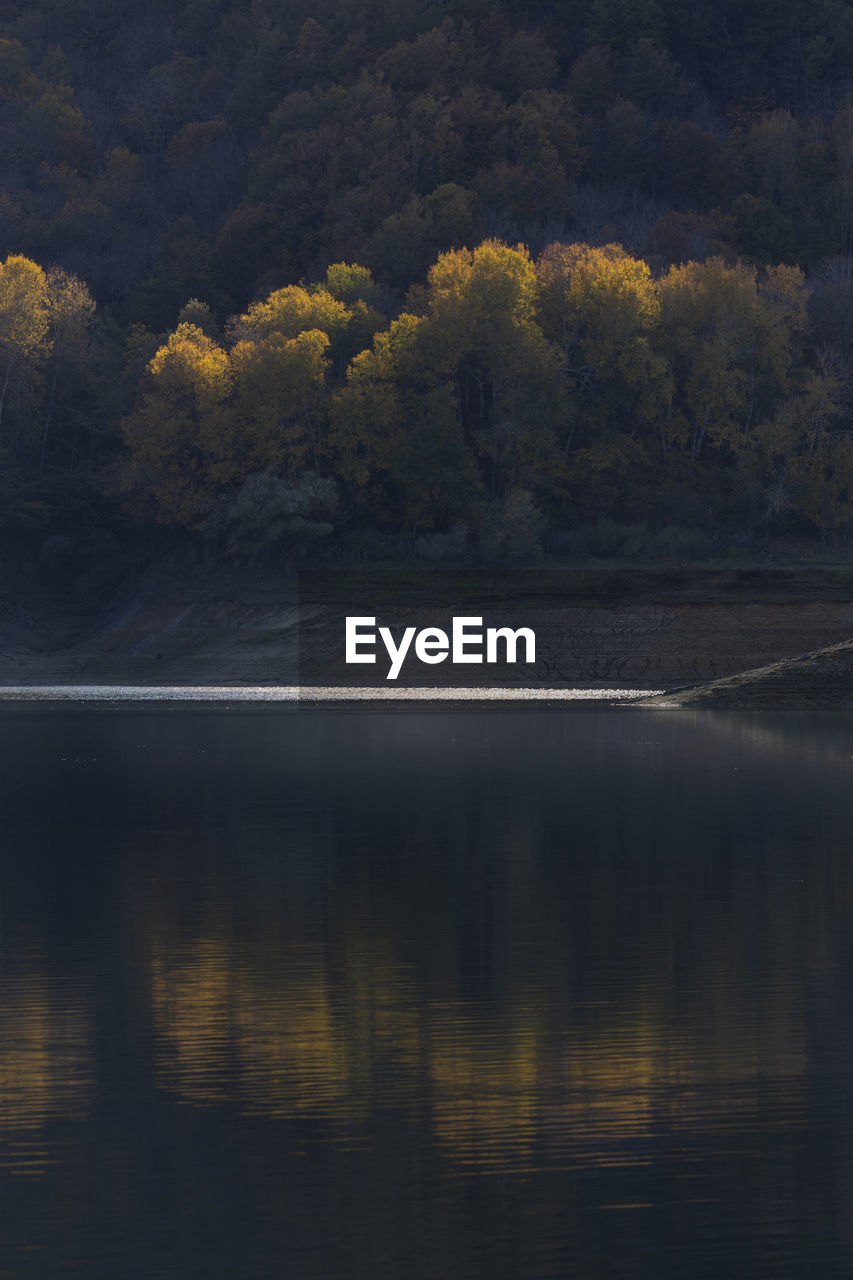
column 46, row 1062
column 280, row 1036
column 487, row 1088
column 587, row 1082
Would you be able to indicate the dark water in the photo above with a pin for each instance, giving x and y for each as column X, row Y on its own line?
column 443, row 994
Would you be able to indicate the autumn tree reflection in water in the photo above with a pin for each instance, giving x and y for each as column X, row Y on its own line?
column 332, row 1031
column 503, row 993
column 46, row 1062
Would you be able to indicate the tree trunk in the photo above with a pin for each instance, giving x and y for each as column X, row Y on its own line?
column 5, row 386
column 47, row 421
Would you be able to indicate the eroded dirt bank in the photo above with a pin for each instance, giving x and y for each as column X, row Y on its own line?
column 178, row 623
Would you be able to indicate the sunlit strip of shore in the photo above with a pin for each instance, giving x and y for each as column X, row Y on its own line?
column 309, row 693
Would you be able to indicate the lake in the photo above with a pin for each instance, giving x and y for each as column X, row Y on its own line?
column 372, row 993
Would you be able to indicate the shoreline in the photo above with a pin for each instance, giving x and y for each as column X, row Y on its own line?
column 664, row 632
column 216, row 643
column 313, row 694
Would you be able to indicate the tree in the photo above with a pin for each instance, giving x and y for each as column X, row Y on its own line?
column 483, row 331
column 395, row 434
column 469, row 386
column 70, row 310
column 771, row 156
column 24, row 326
column 731, row 346
column 733, row 338
column 619, row 23
column 291, row 311
column 820, row 455
column 179, row 449
column 601, row 307
column 278, row 411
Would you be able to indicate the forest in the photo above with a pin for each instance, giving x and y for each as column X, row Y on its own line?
column 460, row 279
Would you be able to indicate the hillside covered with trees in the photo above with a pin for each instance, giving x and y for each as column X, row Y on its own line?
column 473, row 278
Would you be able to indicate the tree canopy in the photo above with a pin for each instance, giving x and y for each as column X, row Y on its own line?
column 458, row 259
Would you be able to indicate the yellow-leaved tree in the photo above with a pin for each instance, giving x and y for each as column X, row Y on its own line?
column 25, row 337
column 180, row 449
column 818, row 461
column 209, row 415
column 395, row 433
column 290, row 311
column 600, row 306
column 278, row 409
column 454, row 405
column 71, row 309
column 483, row 334
column 730, row 339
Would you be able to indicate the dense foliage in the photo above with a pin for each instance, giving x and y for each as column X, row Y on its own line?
column 605, row 248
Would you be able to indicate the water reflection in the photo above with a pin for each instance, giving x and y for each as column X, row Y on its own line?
column 493, row 1086
column 269, row 1041
column 500, row 994
column 46, row 1063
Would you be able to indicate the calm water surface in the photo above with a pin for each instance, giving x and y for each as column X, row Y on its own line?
column 425, row 993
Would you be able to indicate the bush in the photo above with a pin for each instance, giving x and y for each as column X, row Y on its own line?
column 269, row 513
column 609, row 539
column 452, row 545
column 371, row 544
column 675, row 543
column 513, row 528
